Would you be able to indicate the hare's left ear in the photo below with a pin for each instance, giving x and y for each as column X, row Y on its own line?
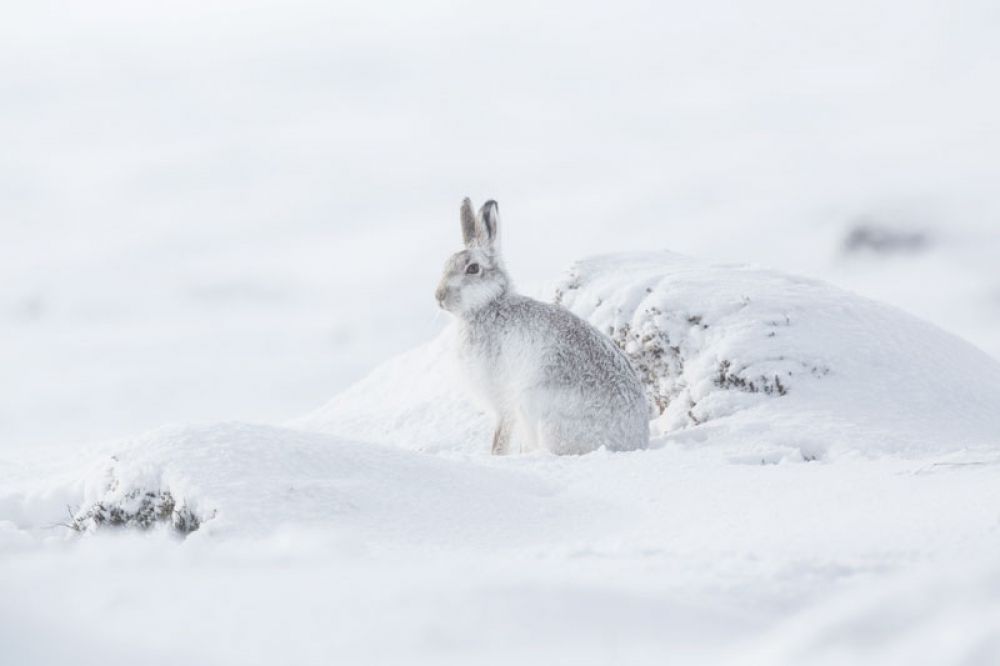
column 489, row 219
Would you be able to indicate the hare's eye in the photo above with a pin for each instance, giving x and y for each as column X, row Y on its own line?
column 472, row 269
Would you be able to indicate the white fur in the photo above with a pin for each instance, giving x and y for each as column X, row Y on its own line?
column 551, row 380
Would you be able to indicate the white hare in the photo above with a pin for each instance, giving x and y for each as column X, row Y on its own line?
column 551, row 379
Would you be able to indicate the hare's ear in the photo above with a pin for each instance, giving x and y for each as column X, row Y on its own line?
column 468, row 217
column 489, row 217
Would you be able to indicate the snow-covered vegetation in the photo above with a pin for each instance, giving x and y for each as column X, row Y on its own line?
column 218, row 217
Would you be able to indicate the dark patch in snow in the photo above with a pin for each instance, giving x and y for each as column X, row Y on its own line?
column 691, row 415
column 728, row 379
column 694, row 320
column 869, row 236
column 139, row 509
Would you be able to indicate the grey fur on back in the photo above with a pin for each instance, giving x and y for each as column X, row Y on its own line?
column 551, row 379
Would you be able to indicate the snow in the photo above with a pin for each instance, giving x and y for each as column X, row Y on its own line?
column 639, row 555
column 217, row 216
column 823, row 522
column 772, row 365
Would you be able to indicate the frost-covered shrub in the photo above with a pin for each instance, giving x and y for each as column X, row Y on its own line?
column 140, row 509
column 127, row 496
column 685, row 347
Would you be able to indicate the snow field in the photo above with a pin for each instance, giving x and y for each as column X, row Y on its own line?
column 846, row 519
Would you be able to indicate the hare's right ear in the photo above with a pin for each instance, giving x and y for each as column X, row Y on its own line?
column 468, row 217
column 489, row 217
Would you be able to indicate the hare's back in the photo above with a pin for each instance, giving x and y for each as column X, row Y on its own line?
column 576, row 389
column 572, row 351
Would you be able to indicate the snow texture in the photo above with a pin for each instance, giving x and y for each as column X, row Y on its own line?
column 843, row 518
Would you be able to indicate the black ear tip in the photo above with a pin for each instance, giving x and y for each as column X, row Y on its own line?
column 491, row 207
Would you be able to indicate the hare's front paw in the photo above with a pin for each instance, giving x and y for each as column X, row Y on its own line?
column 501, row 438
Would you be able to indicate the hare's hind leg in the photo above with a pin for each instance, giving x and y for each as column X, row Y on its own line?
column 570, row 435
column 501, row 436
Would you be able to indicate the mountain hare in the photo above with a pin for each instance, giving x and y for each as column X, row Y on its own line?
column 550, row 378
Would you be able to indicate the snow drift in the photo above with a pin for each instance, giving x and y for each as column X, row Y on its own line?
column 757, row 365
column 760, row 366
column 250, row 479
column 763, row 363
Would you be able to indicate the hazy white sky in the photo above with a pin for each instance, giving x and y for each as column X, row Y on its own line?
column 226, row 209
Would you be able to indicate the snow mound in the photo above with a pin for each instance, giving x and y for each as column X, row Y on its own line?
column 245, row 479
column 772, row 365
column 417, row 401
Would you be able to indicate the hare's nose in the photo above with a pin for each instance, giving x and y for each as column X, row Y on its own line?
column 440, row 294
